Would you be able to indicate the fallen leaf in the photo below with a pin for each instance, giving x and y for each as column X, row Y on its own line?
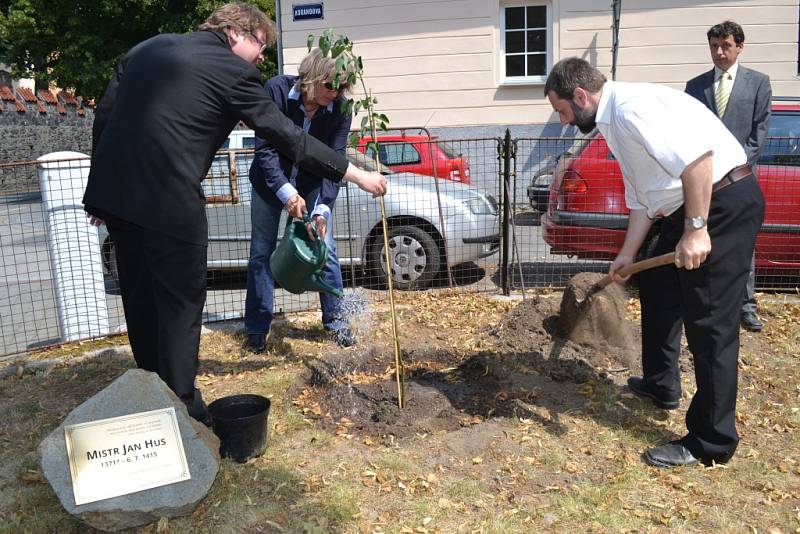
column 571, row 467
column 32, row 475
column 274, row 525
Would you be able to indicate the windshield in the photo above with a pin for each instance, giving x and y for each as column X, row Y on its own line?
column 449, row 150
column 782, row 145
column 578, row 143
column 784, row 125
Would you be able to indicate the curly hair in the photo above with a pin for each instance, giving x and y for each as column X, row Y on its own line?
column 243, row 17
column 318, row 68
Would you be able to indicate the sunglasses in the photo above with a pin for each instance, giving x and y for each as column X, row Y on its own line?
column 329, row 86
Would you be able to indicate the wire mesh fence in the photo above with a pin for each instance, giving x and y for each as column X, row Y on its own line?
column 441, row 233
column 505, row 214
column 575, row 187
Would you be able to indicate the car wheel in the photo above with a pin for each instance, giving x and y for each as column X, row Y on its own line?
column 414, row 254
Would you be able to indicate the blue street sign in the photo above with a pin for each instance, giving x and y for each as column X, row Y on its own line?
column 307, row 11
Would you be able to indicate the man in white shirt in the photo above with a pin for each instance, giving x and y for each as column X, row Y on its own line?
column 680, row 166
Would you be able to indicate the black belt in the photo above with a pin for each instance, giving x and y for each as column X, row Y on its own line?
column 735, row 174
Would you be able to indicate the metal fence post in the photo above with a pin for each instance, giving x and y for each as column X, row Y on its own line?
column 74, row 247
column 506, row 170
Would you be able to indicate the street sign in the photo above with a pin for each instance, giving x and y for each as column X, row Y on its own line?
column 307, row 11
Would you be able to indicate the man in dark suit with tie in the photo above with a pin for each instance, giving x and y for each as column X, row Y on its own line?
column 169, row 106
column 741, row 99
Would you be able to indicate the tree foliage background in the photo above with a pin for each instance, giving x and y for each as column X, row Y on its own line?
column 76, row 44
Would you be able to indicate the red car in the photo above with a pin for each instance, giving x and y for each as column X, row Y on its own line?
column 587, row 217
column 419, row 154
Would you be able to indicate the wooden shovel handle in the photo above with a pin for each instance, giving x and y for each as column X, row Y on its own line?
column 639, row 266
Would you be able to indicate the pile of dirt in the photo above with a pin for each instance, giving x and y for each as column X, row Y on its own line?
column 529, row 363
column 536, row 326
column 589, row 315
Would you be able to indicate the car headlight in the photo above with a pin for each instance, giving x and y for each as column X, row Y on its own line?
column 480, row 205
column 543, row 180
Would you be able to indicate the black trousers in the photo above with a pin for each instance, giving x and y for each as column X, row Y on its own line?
column 163, row 285
column 707, row 301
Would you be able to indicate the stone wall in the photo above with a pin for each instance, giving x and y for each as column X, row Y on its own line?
column 26, row 142
column 33, row 125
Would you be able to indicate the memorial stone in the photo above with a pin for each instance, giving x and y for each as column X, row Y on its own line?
column 135, row 391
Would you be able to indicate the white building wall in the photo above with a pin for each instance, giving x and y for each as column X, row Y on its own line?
column 437, row 63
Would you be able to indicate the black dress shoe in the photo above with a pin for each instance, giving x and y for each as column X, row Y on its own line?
column 256, row 342
column 670, row 455
column 637, row 386
column 344, row 337
column 197, row 408
column 206, row 420
column 751, row 323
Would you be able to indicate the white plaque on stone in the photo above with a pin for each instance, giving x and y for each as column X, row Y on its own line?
column 122, row 455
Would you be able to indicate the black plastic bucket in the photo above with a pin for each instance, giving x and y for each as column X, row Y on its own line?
column 240, row 423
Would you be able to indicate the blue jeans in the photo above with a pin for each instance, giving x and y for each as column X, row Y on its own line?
column 265, row 217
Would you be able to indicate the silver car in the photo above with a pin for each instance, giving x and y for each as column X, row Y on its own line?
column 427, row 228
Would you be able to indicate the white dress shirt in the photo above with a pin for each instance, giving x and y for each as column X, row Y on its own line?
column 655, row 132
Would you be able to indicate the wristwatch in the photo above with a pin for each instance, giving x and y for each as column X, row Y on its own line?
column 696, row 223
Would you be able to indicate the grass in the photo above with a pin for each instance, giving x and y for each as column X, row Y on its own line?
column 572, row 470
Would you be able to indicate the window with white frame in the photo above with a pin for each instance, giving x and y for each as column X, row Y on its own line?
column 524, row 41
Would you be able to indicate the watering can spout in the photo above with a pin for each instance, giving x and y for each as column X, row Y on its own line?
column 318, row 284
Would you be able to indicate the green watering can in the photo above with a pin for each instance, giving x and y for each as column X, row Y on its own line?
column 298, row 259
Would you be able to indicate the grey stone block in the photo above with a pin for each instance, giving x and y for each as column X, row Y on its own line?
column 133, row 392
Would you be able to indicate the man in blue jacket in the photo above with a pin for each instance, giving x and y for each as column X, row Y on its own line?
column 312, row 102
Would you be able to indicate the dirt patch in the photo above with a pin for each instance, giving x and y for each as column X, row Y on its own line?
column 340, row 460
column 527, row 357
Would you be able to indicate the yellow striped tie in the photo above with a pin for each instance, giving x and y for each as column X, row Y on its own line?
column 723, row 93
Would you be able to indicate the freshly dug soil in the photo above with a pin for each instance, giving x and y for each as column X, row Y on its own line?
column 592, row 316
column 529, row 363
column 535, row 325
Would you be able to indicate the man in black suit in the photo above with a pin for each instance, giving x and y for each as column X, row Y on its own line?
column 741, row 99
column 168, row 108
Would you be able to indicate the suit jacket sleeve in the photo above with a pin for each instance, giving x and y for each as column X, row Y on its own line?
column 338, row 142
column 761, row 116
column 694, row 88
column 259, row 112
column 106, row 105
column 266, row 155
column 688, row 89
